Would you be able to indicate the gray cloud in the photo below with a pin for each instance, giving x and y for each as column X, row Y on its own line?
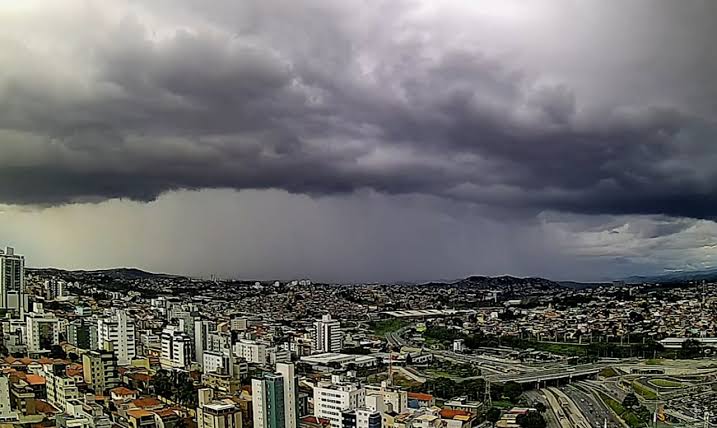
column 579, row 108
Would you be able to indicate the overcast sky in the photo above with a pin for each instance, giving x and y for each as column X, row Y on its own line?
column 360, row 140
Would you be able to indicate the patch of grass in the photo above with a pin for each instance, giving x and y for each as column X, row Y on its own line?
column 608, row 372
column 570, row 349
column 629, row 417
column 382, row 327
column 615, row 405
column 646, row 392
column 666, row 383
column 655, row 362
column 502, row 404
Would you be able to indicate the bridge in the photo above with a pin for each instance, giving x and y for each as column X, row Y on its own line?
column 543, row 378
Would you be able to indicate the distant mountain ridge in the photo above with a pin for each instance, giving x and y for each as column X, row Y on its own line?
column 708, row 275
column 114, row 273
column 502, row 283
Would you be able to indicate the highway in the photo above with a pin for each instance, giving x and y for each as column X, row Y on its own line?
column 572, row 412
column 595, row 411
column 557, row 410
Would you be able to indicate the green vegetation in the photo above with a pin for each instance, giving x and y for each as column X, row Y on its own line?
column 631, row 417
column 588, row 351
column 175, row 385
column 531, row 419
column 502, row 404
column 655, row 362
column 666, row 383
column 644, row 391
column 391, row 325
column 608, row 372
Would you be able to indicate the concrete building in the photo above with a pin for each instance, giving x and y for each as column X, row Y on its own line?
column 6, row 412
column 82, row 333
column 42, row 329
column 12, row 281
column 213, row 413
column 119, row 331
column 268, row 401
column 333, row 398
column 99, row 369
column 327, row 336
column 251, row 351
column 202, row 330
column 217, row 362
column 385, row 399
column 54, row 288
column 176, row 348
column 238, row 324
column 361, row 418
column 275, row 399
column 61, row 388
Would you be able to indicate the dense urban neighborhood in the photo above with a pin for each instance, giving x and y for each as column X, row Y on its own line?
column 126, row 348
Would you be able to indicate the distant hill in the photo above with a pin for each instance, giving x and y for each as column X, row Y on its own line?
column 504, row 283
column 709, row 275
column 116, row 273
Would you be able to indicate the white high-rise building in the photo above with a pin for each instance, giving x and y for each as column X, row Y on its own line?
column 291, row 386
column 274, row 399
column 42, row 329
column 331, row 398
column 119, row 331
column 327, row 336
column 202, row 330
column 176, row 348
column 251, row 351
column 12, row 280
column 217, row 362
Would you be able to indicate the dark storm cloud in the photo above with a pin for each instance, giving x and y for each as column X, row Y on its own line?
column 329, row 99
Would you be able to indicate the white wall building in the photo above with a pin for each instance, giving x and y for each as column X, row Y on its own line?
column 274, row 399
column 119, row 331
column 42, row 329
column 60, row 388
column 202, row 330
column 251, row 351
column 331, row 398
column 217, row 362
column 176, row 348
column 327, row 336
column 6, row 412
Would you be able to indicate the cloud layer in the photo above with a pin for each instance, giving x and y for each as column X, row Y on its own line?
column 528, row 108
column 519, row 110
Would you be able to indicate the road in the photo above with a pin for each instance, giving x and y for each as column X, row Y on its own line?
column 572, row 411
column 557, row 410
column 595, row 411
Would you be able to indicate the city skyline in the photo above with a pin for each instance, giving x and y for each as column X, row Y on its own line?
column 396, row 141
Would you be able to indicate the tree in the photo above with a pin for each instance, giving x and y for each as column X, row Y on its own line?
column 691, row 348
column 73, row 357
column 512, row 390
column 56, row 351
column 630, row 401
column 540, row 407
column 531, row 420
column 493, row 415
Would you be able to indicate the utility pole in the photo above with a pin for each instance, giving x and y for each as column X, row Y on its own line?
column 487, row 401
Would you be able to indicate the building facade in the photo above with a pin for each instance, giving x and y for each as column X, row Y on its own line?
column 12, row 281
column 327, row 336
column 119, row 331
